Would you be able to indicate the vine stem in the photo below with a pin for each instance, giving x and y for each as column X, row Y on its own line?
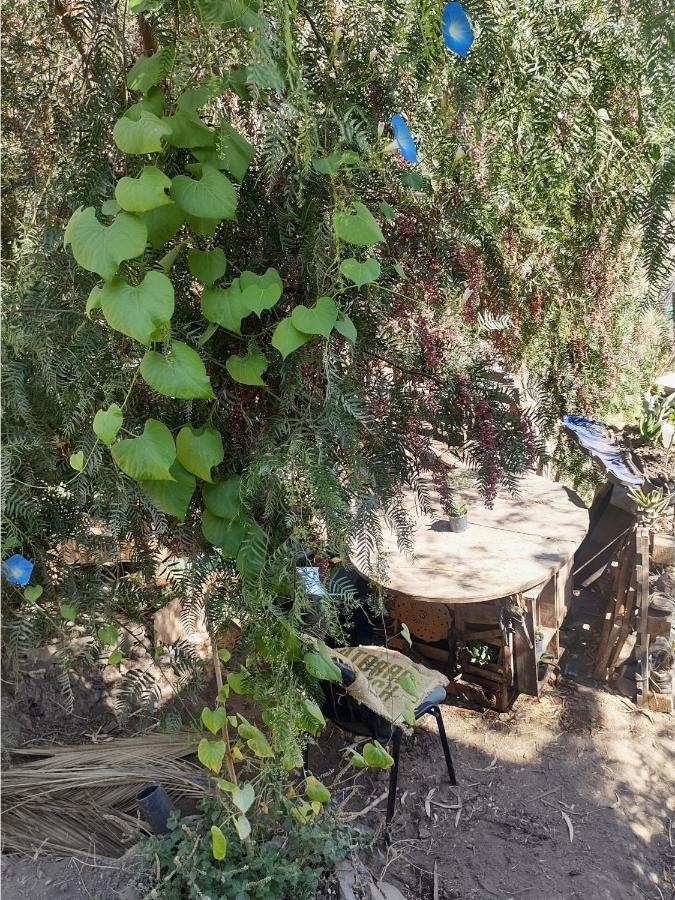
column 229, row 762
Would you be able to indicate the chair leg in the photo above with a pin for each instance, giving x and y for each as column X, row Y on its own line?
column 393, row 779
column 436, row 713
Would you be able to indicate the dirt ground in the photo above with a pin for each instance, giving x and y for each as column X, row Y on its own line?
column 571, row 797
column 568, row 797
column 43, row 878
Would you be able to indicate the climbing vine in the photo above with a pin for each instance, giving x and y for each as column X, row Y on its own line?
column 287, row 356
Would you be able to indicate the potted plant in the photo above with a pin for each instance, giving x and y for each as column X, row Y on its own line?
column 458, row 520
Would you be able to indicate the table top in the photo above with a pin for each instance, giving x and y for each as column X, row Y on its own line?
column 519, row 543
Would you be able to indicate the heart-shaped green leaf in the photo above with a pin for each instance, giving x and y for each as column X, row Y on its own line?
column 412, row 180
column 317, row 320
column 223, row 499
column 247, row 369
column 358, row 761
column 107, row 423
column 93, row 300
column 224, row 785
column 255, row 740
column 316, row 791
column 236, row 79
column 76, row 461
column 68, row 612
column 204, row 227
column 330, row 165
column 108, row 635
column 218, row 843
column 207, row 265
column 115, row 657
column 376, row 756
column 260, row 292
column 211, row 197
column 211, row 754
column 33, row 592
column 172, row 497
column 286, row 338
column 199, row 449
column 224, row 655
column 408, row 713
column 359, row 228
column 154, row 102
column 180, row 373
column 188, row 130
column 238, row 681
column 321, row 666
column 313, row 710
column 139, row 311
column 148, row 457
column 232, row 152
column 226, row 534
column 225, row 306
column 361, row 272
column 243, row 826
column 229, row 13
column 110, row 207
column 162, row 223
column 194, row 99
column 407, row 682
column 101, row 248
column 148, row 70
column 138, row 136
column 387, row 211
column 145, row 192
column 207, row 334
column 346, row 328
column 214, row 719
column 243, row 797
column 166, row 262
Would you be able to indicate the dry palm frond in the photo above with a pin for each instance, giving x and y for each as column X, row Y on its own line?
column 80, row 800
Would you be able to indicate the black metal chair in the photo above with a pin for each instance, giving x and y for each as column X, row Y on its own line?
column 353, row 717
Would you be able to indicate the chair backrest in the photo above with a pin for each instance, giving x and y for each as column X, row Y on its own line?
column 347, row 713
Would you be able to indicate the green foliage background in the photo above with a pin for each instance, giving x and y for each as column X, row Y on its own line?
column 535, row 237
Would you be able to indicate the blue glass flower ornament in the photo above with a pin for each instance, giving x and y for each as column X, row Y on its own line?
column 17, row 569
column 456, row 28
column 404, row 140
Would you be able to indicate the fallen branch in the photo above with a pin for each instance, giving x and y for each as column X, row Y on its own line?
column 366, row 809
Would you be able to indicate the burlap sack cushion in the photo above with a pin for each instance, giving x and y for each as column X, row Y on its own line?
column 378, row 680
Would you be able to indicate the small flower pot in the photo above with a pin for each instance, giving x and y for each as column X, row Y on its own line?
column 458, row 523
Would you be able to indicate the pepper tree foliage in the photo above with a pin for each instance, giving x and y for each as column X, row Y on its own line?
column 552, row 150
column 313, row 389
column 495, row 250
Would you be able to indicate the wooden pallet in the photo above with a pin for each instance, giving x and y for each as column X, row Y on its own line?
column 618, row 620
column 627, row 612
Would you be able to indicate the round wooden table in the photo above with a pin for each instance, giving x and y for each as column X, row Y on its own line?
column 519, row 543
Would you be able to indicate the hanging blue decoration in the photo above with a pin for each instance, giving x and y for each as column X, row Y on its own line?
column 456, row 28
column 404, row 140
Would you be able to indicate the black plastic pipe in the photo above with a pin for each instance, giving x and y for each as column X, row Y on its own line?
column 155, row 806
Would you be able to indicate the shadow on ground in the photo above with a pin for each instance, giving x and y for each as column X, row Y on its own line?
column 568, row 798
